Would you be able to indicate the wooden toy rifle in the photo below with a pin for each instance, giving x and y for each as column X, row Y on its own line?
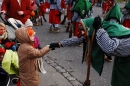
column 88, row 58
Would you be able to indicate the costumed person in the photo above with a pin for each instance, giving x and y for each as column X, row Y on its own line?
column 54, row 15
column 47, row 4
column 70, row 5
column 35, row 10
column 41, row 11
column 126, row 15
column 63, row 6
column 113, row 39
column 79, row 14
column 106, row 6
column 34, row 7
column 28, row 54
column 17, row 9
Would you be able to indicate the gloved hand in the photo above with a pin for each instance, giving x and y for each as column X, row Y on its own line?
column 97, row 22
column 54, row 45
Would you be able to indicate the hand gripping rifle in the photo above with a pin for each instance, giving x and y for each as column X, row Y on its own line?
column 88, row 57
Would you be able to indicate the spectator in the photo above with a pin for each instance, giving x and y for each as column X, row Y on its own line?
column 29, row 24
column 18, row 9
column 5, row 44
column 8, row 44
column 80, row 10
column 28, row 54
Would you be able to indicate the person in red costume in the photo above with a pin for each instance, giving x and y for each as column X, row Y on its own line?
column 107, row 5
column 18, row 9
column 126, row 15
column 70, row 5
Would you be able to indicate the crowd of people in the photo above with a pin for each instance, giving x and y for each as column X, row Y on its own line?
column 112, row 35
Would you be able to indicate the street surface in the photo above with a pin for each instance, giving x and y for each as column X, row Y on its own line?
column 69, row 58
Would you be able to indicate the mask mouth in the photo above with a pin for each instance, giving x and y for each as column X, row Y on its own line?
column 18, row 25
